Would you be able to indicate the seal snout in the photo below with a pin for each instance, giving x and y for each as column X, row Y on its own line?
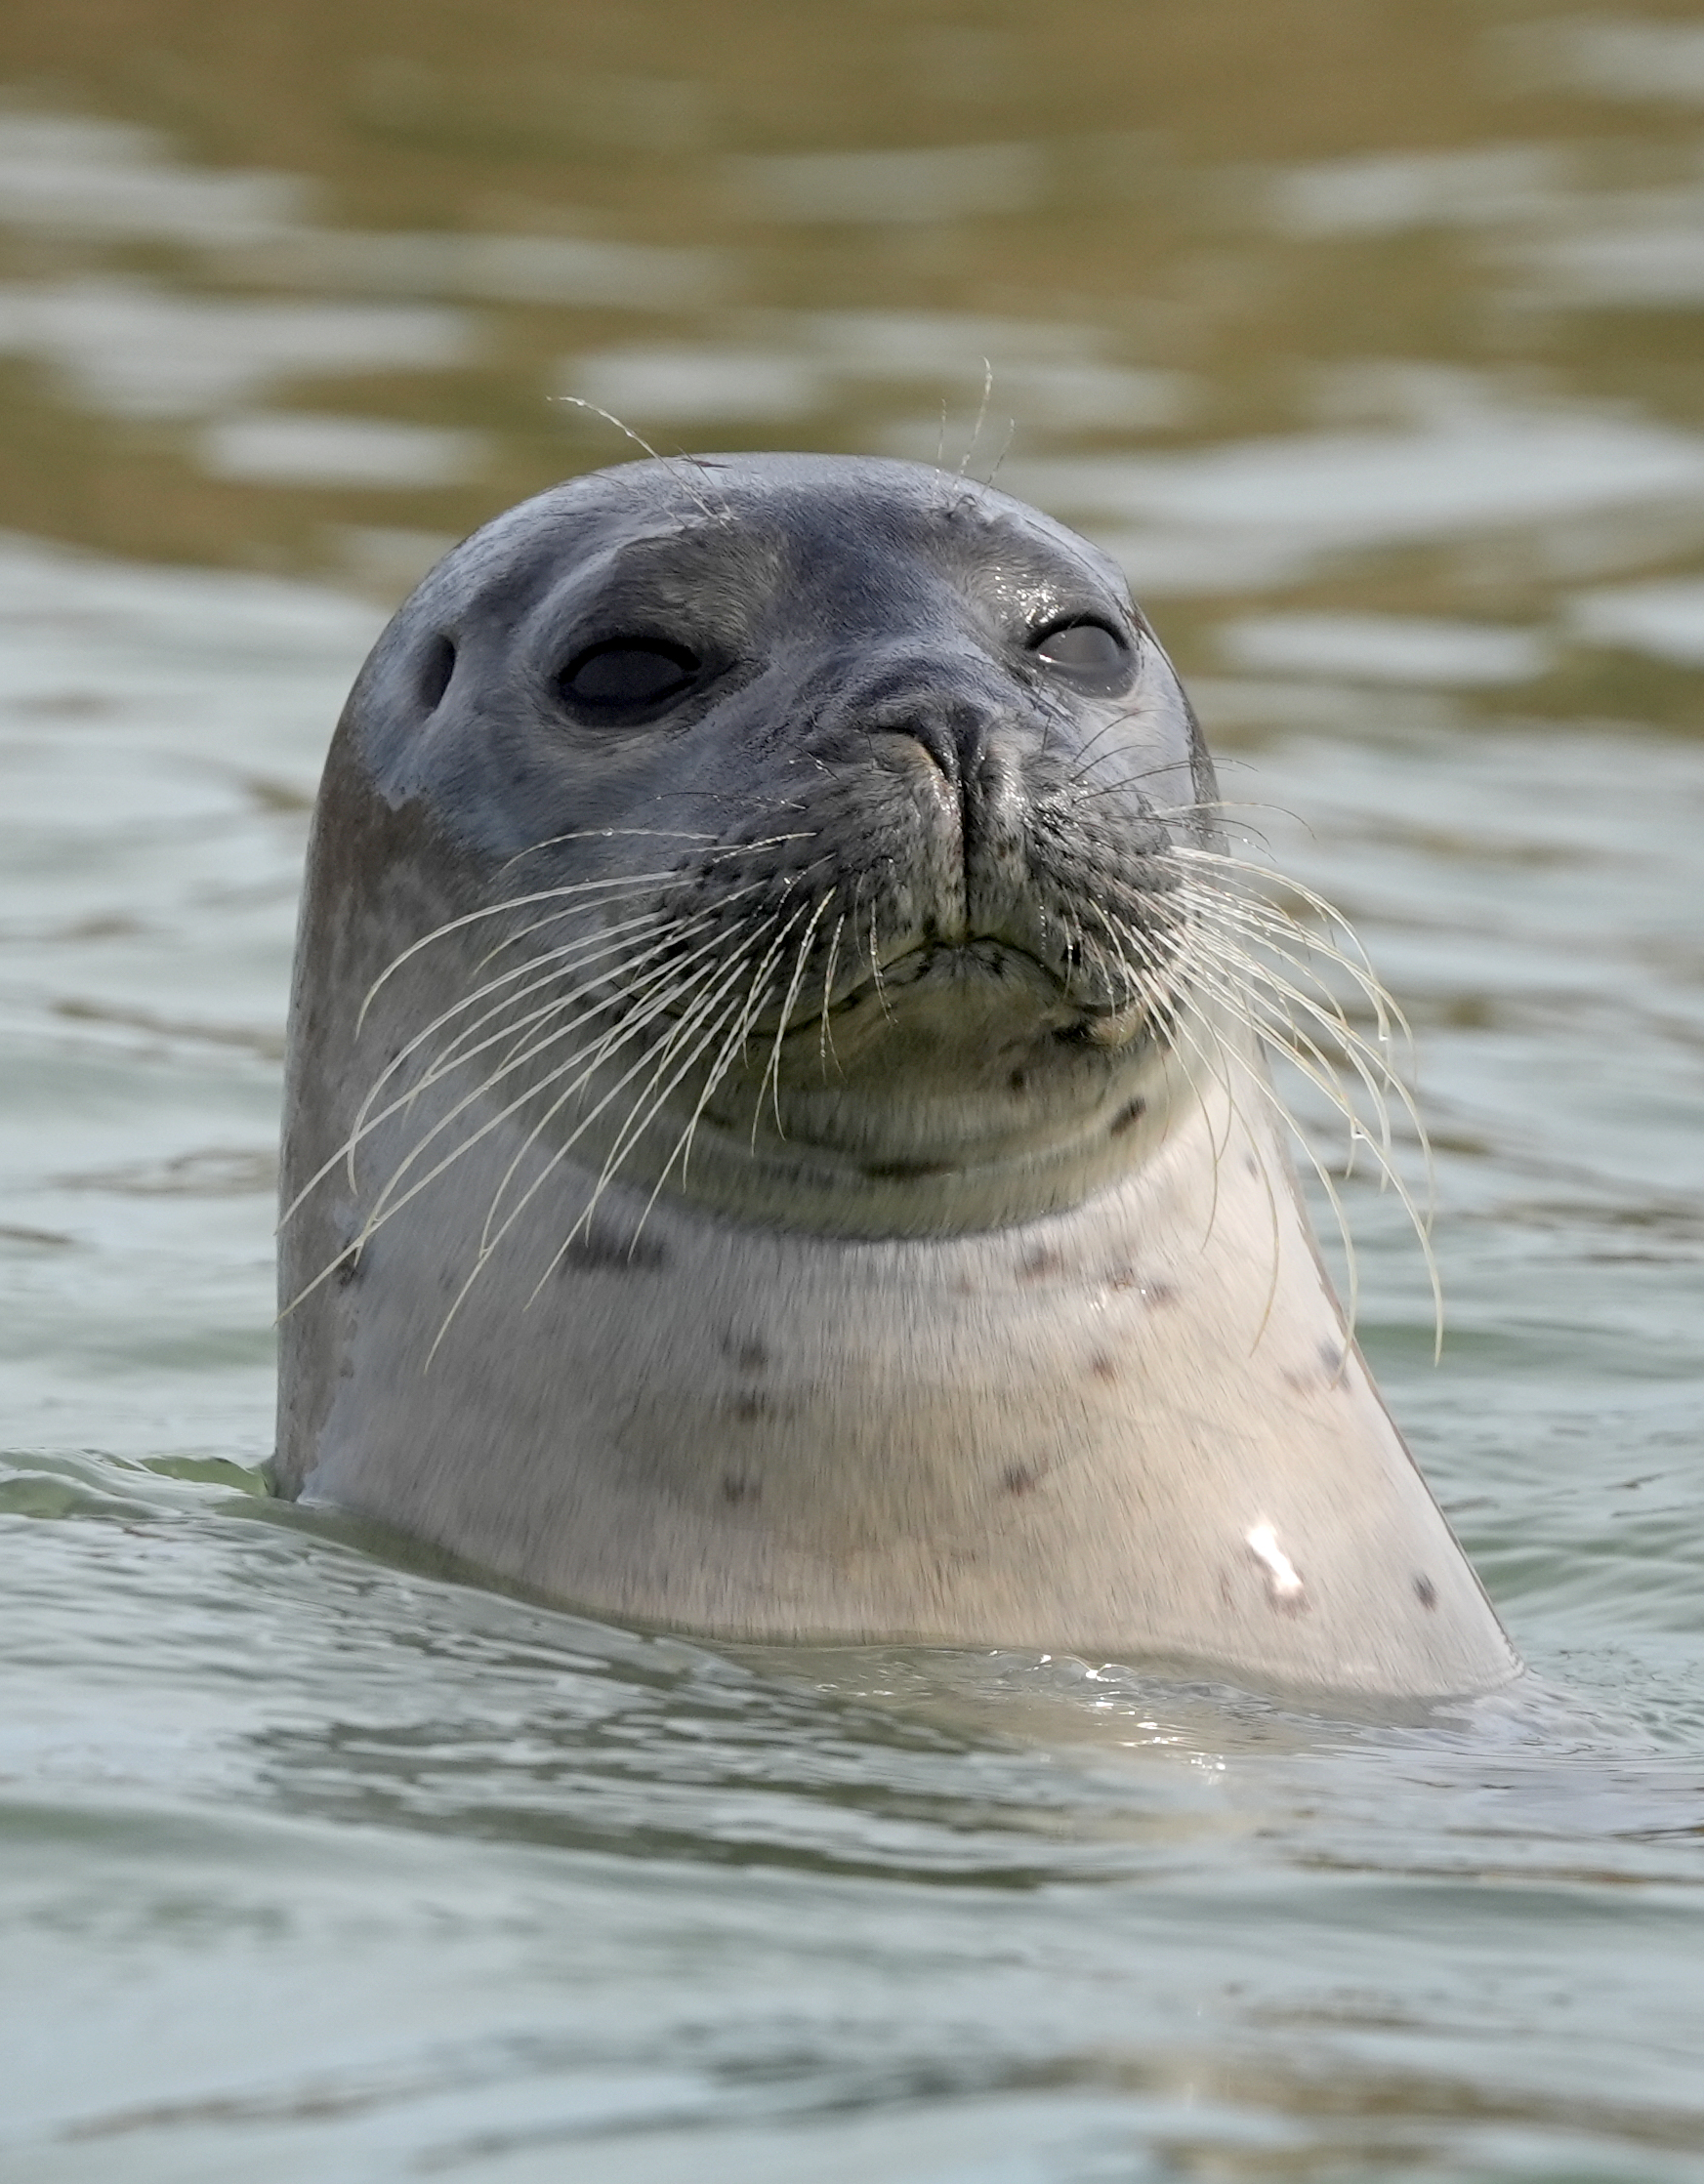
column 949, row 712
column 951, row 725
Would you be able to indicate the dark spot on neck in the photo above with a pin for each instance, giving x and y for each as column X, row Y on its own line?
column 1425, row 1592
column 608, row 1251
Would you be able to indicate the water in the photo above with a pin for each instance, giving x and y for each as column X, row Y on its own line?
column 1370, row 342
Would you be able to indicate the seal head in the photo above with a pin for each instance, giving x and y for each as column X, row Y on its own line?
column 775, row 1142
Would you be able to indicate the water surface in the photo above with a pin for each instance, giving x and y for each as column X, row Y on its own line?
column 1369, row 340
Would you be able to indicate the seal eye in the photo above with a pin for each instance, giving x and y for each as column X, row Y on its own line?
column 1086, row 649
column 628, row 674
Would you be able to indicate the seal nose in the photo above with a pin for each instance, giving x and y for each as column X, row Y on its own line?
column 954, row 734
column 946, row 713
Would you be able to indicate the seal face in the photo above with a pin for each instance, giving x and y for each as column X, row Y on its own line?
column 775, row 1139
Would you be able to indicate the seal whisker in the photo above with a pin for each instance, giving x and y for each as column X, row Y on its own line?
column 981, row 417
column 603, row 834
column 367, row 1121
column 1280, row 935
column 565, row 969
column 1304, row 1054
column 825, row 1044
column 773, row 1069
column 630, row 883
column 1263, row 953
column 1217, row 811
column 554, row 963
column 1138, row 955
column 1273, row 1019
column 734, row 1015
column 457, row 1054
column 1285, row 933
column 740, row 1016
column 490, row 1238
column 999, row 462
column 1371, row 1060
column 669, row 463
column 1209, row 808
column 586, row 1004
column 708, row 1000
column 1252, row 1074
column 632, row 1128
column 1215, row 1056
column 1084, row 761
column 876, row 967
column 1327, row 912
column 1290, row 941
column 1234, row 1114
column 708, row 1003
column 393, row 1203
column 757, row 993
column 683, row 1146
column 718, row 849
column 537, row 974
column 1087, row 759
column 660, row 1002
column 387, row 1204
column 557, row 950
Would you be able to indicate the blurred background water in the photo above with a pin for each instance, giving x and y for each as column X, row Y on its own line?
column 1368, row 337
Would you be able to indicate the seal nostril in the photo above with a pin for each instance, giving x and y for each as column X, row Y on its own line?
column 952, row 729
column 940, row 748
column 436, row 669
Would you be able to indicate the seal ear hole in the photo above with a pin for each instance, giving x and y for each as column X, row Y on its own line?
column 436, row 669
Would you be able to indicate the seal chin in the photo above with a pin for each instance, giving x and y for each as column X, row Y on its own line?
column 953, row 1096
column 989, row 1042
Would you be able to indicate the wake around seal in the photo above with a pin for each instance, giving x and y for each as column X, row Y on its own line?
column 778, row 1141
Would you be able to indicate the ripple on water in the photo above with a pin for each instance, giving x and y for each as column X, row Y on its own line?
column 317, row 1861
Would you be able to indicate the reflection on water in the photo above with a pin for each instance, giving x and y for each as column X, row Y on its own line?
column 1253, row 352
column 1400, row 648
column 1368, row 339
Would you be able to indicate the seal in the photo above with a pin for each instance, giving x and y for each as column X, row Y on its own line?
column 778, row 1136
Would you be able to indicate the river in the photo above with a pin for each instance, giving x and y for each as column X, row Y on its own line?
column 1369, row 340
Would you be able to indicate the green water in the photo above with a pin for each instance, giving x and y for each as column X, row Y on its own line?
column 1370, row 339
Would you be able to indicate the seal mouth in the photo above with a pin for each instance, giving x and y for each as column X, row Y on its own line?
column 932, row 971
